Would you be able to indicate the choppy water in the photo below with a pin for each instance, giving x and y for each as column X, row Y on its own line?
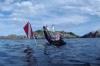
column 77, row 52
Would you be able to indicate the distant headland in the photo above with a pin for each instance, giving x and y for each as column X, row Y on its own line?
column 39, row 35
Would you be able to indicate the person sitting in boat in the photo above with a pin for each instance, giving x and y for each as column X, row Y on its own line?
column 57, row 40
column 58, row 36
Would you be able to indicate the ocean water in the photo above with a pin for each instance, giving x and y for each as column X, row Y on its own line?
column 76, row 52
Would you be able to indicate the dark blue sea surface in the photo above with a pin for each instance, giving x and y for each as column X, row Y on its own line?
column 76, row 52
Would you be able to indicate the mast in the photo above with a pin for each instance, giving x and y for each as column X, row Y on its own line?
column 29, row 31
column 53, row 28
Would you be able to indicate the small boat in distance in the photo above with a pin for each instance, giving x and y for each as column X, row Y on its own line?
column 58, row 41
column 28, row 30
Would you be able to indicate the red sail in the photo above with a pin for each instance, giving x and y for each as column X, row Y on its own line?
column 28, row 30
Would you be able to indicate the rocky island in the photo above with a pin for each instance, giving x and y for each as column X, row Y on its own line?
column 95, row 34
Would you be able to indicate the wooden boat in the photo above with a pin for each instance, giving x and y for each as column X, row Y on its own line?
column 48, row 37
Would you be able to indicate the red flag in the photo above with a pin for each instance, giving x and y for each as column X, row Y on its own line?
column 28, row 30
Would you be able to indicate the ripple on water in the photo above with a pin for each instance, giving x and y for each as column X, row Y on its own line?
column 4, row 54
column 2, row 64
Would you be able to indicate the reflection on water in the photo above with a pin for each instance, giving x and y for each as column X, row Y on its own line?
column 77, row 52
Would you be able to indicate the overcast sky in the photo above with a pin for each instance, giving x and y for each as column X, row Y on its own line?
column 78, row 16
